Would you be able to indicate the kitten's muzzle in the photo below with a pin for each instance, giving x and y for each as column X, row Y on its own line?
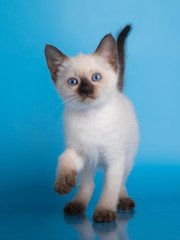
column 86, row 90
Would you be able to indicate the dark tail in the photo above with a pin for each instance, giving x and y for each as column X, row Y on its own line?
column 121, row 40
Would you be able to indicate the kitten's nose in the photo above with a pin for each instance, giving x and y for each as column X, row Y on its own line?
column 86, row 89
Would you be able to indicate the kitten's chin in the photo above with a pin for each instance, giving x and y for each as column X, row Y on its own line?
column 87, row 99
column 85, row 103
column 89, row 103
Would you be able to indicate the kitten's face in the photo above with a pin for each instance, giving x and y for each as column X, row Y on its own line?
column 85, row 80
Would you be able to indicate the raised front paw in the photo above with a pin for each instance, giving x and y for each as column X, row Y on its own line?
column 126, row 203
column 65, row 182
column 104, row 215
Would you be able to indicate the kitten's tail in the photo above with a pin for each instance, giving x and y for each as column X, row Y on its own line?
column 121, row 40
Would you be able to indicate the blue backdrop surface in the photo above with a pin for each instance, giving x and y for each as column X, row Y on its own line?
column 31, row 131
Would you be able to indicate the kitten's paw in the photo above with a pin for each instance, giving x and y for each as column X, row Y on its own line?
column 126, row 203
column 65, row 182
column 74, row 208
column 104, row 215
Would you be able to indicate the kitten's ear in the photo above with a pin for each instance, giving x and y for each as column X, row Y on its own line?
column 107, row 49
column 54, row 59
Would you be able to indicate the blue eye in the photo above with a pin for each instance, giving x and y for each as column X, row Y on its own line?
column 96, row 77
column 72, row 82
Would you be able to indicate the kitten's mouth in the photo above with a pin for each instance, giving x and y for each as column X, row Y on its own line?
column 87, row 98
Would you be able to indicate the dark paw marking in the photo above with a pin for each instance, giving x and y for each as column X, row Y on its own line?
column 126, row 203
column 65, row 182
column 104, row 215
column 74, row 208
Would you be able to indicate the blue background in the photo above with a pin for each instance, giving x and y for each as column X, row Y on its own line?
column 32, row 134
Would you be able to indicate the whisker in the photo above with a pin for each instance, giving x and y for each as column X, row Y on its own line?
column 72, row 105
column 59, row 106
column 52, row 100
column 59, row 97
column 67, row 108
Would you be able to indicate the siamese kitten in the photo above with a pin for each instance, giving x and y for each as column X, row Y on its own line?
column 100, row 126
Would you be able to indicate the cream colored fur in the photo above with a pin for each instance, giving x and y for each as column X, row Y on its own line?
column 101, row 132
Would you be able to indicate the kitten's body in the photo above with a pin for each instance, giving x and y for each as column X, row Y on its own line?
column 113, row 126
column 100, row 127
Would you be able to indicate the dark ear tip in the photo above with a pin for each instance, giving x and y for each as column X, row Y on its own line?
column 50, row 49
column 109, row 35
column 47, row 46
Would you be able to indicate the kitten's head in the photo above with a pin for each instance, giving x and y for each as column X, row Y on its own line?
column 87, row 80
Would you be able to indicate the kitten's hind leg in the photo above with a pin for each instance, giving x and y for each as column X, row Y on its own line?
column 125, row 202
column 79, row 203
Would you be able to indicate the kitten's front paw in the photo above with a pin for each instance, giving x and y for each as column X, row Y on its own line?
column 65, row 182
column 104, row 215
column 126, row 203
column 74, row 208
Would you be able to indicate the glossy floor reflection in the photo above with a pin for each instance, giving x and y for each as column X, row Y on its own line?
column 30, row 209
column 104, row 231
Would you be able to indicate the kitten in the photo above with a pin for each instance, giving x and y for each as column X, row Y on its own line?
column 100, row 126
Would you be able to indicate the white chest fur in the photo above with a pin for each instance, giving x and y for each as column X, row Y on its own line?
column 111, row 126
